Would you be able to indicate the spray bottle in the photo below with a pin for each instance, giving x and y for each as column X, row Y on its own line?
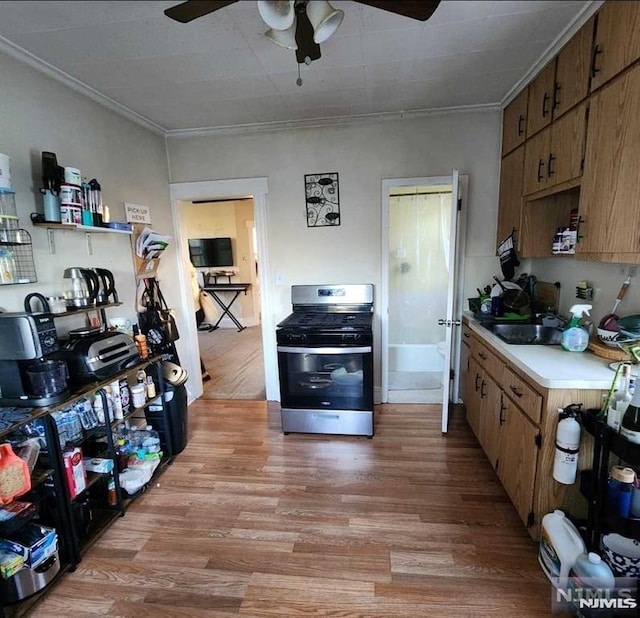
column 575, row 338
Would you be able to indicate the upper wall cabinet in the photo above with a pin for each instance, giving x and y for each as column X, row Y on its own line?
column 572, row 71
column 510, row 200
column 541, row 99
column 514, row 123
column 617, row 42
column 610, row 192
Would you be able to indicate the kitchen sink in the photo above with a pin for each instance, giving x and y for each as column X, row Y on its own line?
column 527, row 334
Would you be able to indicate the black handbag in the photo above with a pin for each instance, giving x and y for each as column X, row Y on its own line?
column 157, row 322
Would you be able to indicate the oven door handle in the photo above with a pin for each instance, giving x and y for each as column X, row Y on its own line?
column 295, row 350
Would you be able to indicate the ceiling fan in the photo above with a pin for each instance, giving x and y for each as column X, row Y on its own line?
column 302, row 24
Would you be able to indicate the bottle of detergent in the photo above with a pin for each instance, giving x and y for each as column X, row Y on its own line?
column 560, row 545
column 575, row 338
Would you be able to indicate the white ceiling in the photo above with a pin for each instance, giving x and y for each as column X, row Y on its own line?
column 220, row 71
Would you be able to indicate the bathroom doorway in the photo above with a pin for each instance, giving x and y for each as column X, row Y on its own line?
column 420, row 274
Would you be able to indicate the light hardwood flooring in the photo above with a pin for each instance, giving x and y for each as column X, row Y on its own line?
column 250, row 522
column 235, row 363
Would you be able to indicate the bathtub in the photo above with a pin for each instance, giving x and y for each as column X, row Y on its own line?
column 415, row 357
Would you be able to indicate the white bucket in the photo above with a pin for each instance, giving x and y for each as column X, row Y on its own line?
column 72, row 176
column 5, row 171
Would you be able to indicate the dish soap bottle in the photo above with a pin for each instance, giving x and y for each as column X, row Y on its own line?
column 575, row 338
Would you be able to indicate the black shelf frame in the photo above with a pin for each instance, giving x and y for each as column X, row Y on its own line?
column 594, row 482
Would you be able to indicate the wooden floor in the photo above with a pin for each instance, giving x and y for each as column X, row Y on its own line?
column 234, row 361
column 250, row 522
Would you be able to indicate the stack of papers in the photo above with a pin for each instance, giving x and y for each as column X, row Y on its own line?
column 150, row 244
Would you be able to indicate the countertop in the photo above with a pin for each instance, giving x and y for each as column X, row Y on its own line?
column 550, row 366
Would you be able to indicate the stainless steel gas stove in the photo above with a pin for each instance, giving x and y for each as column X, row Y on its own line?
column 325, row 360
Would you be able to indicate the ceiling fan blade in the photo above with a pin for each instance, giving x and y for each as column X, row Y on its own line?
column 307, row 47
column 415, row 9
column 188, row 11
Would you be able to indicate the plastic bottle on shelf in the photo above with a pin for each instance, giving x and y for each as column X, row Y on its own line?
column 620, row 400
column 630, row 426
column 98, row 408
column 141, row 376
column 117, row 400
column 557, row 241
column 151, row 387
column 112, row 497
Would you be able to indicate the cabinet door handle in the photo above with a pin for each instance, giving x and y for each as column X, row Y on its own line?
column 556, row 99
column 482, row 355
column 594, row 59
column 545, row 100
column 550, row 171
column 466, row 335
column 515, row 391
column 482, row 393
column 477, row 378
column 521, row 125
column 578, row 235
column 501, row 418
column 540, row 166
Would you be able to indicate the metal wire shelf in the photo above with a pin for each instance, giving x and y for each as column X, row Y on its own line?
column 20, row 267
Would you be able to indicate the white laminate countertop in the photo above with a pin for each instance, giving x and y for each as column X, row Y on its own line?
column 551, row 366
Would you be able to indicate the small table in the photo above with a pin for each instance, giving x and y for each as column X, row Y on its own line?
column 236, row 288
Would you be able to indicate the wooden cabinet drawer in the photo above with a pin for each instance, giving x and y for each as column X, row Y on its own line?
column 489, row 361
column 528, row 400
column 467, row 334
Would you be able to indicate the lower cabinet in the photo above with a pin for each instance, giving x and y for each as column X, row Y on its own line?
column 515, row 421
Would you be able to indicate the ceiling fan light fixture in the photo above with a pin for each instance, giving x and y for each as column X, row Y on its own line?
column 277, row 14
column 324, row 19
column 284, row 38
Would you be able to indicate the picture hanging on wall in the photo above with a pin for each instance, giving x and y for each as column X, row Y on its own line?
column 323, row 199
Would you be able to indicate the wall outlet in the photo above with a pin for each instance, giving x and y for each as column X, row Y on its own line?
column 279, row 278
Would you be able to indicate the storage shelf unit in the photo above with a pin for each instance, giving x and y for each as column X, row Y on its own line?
column 594, row 482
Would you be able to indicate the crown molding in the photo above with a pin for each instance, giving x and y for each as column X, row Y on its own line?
column 328, row 122
column 22, row 55
column 549, row 54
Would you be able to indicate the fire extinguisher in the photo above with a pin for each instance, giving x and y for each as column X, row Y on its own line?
column 565, row 462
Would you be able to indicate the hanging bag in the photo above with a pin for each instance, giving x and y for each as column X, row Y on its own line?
column 158, row 322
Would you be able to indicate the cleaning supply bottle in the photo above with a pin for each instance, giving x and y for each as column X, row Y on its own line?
column 575, row 338
column 560, row 545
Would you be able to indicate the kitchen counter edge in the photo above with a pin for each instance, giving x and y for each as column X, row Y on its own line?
column 549, row 366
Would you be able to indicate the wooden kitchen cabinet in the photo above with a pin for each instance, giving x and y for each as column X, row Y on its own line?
column 514, row 123
column 616, row 42
column 515, row 420
column 610, row 192
column 573, row 66
column 517, row 458
column 540, row 100
column 555, row 156
column 510, row 196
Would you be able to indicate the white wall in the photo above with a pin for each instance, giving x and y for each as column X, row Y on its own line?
column 362, row 155
column 38, row 114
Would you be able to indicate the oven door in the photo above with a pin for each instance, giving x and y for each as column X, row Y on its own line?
column 326, row 378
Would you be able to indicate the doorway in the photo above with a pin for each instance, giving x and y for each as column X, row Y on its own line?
column 257, row 188
column 421, row 276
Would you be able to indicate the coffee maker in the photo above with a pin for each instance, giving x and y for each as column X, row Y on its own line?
column 27, row 376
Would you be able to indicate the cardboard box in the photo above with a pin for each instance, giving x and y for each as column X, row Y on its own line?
column 74, row 468
column 33, row 542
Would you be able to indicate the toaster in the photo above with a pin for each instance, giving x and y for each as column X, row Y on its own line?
column 98, row 356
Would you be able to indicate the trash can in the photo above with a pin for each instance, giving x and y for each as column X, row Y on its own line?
column 175, row 434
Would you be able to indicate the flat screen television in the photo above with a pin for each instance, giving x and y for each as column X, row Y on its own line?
column 214, row 252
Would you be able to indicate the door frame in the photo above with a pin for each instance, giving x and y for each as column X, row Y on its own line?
column 387, row 183
column 229, row 190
